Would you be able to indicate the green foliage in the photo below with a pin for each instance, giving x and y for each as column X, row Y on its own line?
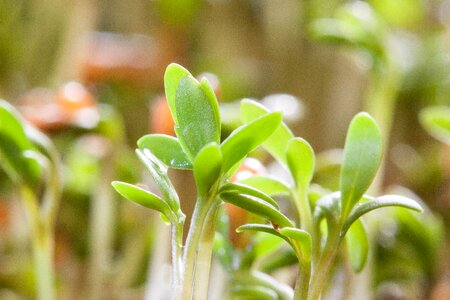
column 270, row 185
column 19, row 155
column 142, row 197
column 357, row 245
column 383, row 201
column 300, row 159
column 362, row 157
column 436, row 120
column 207, row 167
column 167, row 149
column 198, row 148
column 247, row 137
column 276, row 144
column 257, row 206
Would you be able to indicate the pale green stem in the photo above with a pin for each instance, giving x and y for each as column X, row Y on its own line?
column 42, row 244
column 204, row 255
column 321, row 269
column 302, row 281
column 304, row 209
column 190, row 255
column 177, row 259
column 101, row 221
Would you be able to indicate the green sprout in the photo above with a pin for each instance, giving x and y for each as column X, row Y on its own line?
column 198, row 147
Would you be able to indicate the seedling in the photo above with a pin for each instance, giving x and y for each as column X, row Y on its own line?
column 198, row 147
column 31, row 161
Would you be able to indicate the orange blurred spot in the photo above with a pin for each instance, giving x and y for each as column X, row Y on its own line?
column 161, row 120
column 236, row 215
column 71, row 105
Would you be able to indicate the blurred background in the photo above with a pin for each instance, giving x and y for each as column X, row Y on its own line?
column 89, row 73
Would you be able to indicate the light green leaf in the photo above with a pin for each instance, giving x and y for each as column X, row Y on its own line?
column 197, row 118
column 142, row 197
column 262, row 228
column 301, row 238
column 362, row 157
column 300, row 159
column 379, row 202
column 258, row 207
column 253, row 292
column 272, row 186
column 159, row 174
column 276, row 143
column 436, row 120
column 14, row 146
column 247, row 137
column 211, row 96
column 167, row 149
column 207, row 167
column 357, row 245
column 248, row 190
column 174, row 73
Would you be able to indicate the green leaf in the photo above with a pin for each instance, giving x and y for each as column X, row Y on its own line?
column 379, row 202
column 301, row 238
column 247, row 137
column 211, row 96
column 276, row 143
column 253, row 292
column 258, row 207
column 159, row 174
column 265, row 244
column 436, row 120
column 357, row 245
column 300, row 159
column 207, row 167
column 167, row 149
column 142, row 197
column 362, row 157
column 272, row 186
column 262, row 228
column 197, row 117
column 174, row 73
column 249, row 191
column 14, row 146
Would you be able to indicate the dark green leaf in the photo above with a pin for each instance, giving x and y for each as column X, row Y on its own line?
column 167, row 149
column 174, row 73
column 301, row 238
column 436, row 120
column 272, row 186
column 248, row 190
column 276, row 143
column 300, row 159
column 247, row 137
column 362, row 157
column 142, row 197
column 357, row 245
column 207, row 167
column 197, row 117
column 383, row 201
column 258, row 207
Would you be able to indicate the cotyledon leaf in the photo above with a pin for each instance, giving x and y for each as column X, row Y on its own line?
column 174, row 73
column 362, row 157
column 142, row 197
column 207, row 167
column 258, row 207
column 276, row 143
column 247, row 137
column 167, row 149
column 357, row 245
column 272, row 186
